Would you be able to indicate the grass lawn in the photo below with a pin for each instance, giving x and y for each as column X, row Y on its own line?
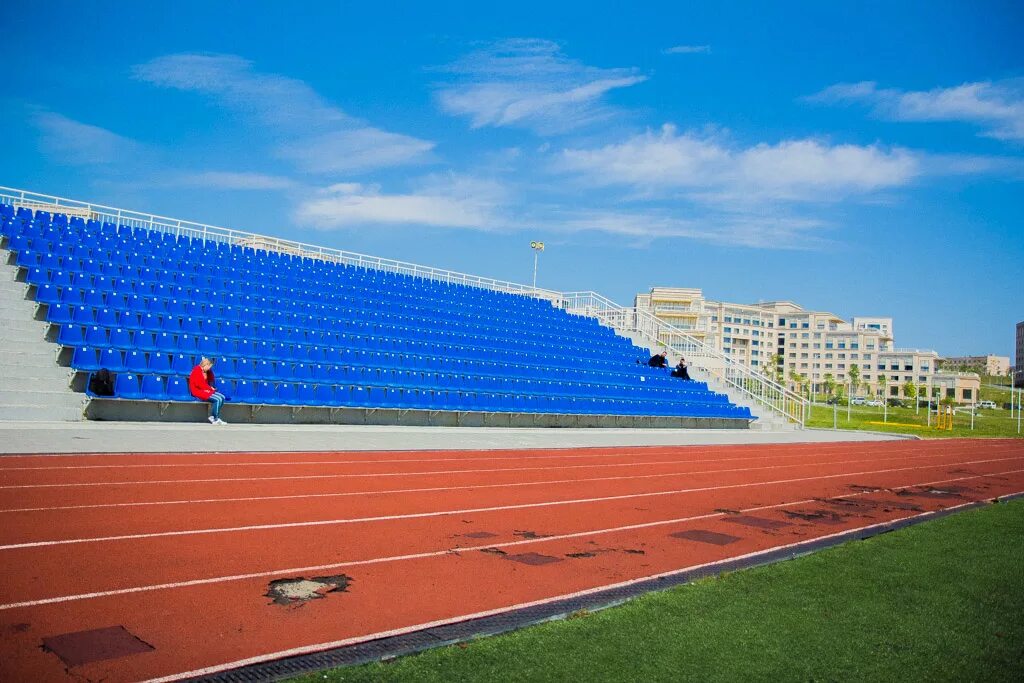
column 941, row 601
column 991, row 423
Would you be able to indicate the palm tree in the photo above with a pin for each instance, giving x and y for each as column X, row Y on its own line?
column 777, row 372
column 882, row 382
column 854, row 379
column 830, row 383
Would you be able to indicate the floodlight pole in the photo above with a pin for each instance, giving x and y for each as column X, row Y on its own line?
column 537, row 248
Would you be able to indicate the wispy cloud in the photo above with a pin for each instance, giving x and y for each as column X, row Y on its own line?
column 722, row 228
column 354, row 150
column 80, row 144
column 705, row 166
column 997, row 107
column 231, row 180
column 442, row 202
column 302, row 126
column 687, row 50
column 530, row 83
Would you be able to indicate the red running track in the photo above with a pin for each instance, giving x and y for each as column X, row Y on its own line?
column 174, row 554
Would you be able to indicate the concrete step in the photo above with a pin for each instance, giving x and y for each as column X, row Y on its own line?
column 40, row 374
column 40, row 413
column 28, row 360
column 60, row 399
column 22, row 324
column 28, row 347
column 13, row 288
column 11, row 335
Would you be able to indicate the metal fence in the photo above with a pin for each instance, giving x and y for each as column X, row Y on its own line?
column 627, row 321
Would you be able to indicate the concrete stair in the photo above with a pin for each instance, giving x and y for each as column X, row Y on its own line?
column 34, row 387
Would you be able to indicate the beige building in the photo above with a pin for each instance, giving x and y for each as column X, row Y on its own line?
column 962, row 387
column 983, row 365
column 781, row 338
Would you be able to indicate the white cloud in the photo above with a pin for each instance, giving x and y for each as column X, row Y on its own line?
column 704, row 166
column 353, row 150
column 688, row 50
column 306, row 129
column 440, row 202
column 995, row 106
column 760, row 232
column 228, row 180
column 77, row 143
column 529, row 83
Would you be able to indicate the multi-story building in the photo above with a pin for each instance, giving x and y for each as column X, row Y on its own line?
column 782, row 339
column 983, row 365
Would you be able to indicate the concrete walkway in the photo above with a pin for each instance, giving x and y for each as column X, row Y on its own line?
column 134, row 437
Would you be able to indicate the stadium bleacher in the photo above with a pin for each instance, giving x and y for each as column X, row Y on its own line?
column 292, row 330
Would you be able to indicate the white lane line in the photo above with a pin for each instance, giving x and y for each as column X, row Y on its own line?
column 617, row 454
column 439, row 553
column 198, row 501
column 361, row 475
column 464, row 511
column 319, row 647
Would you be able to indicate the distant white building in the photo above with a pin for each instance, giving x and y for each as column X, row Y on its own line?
column 984, row 365
column 781, row 338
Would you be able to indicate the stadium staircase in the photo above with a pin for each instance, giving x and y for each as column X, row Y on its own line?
column 302, row 336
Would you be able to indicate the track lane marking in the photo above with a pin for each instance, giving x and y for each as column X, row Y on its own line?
column 462, row 488
column 444, row 513
column 617, row 454
column 360, row 475
column 309, row 649
column 504, row 544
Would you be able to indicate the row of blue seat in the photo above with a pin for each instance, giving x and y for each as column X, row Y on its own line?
column 161, row 365
column 73, row 335
column 185, row 269
column 454, row 331
column 340, row 367
column 156, row 388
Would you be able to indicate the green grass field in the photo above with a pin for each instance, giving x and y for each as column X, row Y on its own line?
column 941, row 601
column 987, row 423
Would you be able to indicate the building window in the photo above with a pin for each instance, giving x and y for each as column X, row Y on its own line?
column 894, row 391
column 967, row 394
column 950, row 393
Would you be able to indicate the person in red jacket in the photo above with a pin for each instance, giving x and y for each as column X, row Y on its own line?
column 201, row 382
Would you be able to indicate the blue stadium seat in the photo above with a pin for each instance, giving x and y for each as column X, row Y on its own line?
column 177, row 389
column 159, row 363
column 85, row 358
column 244, row 392
column 182, row 364
column 153, row 388
column 126, row 386
column 266, row 392
column 111, row 359
column 136, row 361
column 70, row 335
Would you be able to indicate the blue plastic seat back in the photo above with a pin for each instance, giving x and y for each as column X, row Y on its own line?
column 126, row 385
column 177, row 389
column 85, row 358
column 153, row 388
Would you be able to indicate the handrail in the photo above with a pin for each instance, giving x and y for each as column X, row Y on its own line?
column 231, row 236
column 627, row 320
column 760, row 388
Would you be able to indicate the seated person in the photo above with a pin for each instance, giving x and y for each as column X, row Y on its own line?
column 201, row 383
column 680, row 370
column 659, row 360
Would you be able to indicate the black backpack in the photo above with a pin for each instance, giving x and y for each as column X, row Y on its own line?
column 102, row 383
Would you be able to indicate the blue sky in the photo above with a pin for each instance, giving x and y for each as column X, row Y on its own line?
column 863, row 158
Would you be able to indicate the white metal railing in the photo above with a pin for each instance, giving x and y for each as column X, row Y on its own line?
column 698, row 353
column 177, row 226
column 629, row 321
